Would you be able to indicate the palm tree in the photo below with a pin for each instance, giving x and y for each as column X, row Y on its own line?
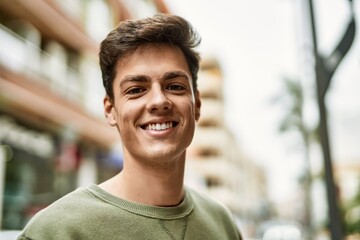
column 294, row 121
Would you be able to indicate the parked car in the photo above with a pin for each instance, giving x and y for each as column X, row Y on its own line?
column 280, row 230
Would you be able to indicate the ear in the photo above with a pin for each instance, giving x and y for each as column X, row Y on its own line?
column 109, row 111
column 197, row 105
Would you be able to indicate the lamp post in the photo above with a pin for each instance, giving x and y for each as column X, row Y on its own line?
column 322, row 81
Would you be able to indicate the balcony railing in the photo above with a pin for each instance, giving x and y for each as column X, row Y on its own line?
column 20, row 55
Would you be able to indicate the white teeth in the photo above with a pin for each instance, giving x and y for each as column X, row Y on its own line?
column 159, row 126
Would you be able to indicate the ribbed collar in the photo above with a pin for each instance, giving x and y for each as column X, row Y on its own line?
column 180, row 211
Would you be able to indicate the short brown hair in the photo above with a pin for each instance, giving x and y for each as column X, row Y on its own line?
column 131, row 34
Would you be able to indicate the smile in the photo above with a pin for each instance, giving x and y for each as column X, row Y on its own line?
column 159, row 126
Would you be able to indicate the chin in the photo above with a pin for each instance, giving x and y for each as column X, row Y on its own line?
column 165, row 153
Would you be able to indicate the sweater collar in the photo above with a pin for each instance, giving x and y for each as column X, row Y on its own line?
column 176, row 212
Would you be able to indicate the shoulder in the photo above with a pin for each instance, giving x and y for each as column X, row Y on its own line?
column 209, row 206
column 74, row 200
column 214, row 213
column 59, row 215
column 204, row 200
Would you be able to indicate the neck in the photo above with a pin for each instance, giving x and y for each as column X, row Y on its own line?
column 158, row 186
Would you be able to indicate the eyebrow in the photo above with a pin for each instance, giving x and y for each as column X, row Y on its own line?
column 134, row 78
column 174, row 74
column 145, row 78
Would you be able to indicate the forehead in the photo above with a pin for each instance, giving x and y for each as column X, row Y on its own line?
column 152, row 59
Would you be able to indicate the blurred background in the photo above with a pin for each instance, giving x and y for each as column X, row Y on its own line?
column 278, row 140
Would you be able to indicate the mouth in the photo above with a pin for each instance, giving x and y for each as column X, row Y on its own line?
column 159, row 126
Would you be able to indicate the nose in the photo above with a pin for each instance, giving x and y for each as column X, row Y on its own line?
column 158, row 100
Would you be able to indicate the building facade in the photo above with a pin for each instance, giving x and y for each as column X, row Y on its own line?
column 53, row 136
column 215, row 163
column 51, row 112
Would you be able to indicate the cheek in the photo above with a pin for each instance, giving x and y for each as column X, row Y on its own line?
column 128, row 113
column 189, row 110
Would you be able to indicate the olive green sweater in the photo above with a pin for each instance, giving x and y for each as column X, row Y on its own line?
column 92, row 213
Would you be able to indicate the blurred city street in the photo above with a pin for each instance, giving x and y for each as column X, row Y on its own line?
column 260, row 145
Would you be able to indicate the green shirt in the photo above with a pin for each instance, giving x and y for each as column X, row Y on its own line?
column 92, row 213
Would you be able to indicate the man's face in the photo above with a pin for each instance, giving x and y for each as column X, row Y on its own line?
column 154, row 107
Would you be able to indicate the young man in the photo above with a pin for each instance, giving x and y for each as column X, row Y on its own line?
column 149, row 70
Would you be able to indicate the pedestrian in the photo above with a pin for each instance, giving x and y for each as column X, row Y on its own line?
column 149, row 69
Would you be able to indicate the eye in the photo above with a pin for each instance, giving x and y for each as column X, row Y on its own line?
column 176, row 87
column 135, row 90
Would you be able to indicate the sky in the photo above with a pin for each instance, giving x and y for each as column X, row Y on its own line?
column 258, row 44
